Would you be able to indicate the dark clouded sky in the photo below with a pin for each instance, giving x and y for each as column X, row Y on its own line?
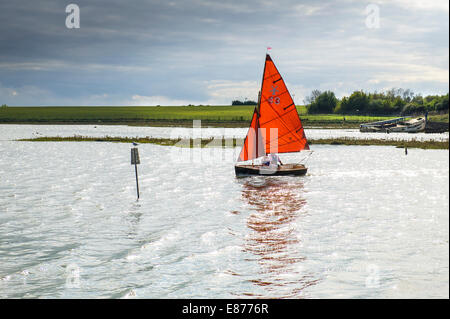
column 209, row 52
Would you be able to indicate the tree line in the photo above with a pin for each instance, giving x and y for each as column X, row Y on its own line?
column 246, row 102
column 393, row 101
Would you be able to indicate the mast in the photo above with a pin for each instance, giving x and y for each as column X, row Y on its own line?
column 259, row 102
column 258, row 106
column 262, row 83
column 257, row 121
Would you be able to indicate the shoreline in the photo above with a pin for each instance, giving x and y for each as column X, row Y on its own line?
column 234, row 142
column 432, row 127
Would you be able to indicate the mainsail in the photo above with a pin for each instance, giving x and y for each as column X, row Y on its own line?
column 276, row 119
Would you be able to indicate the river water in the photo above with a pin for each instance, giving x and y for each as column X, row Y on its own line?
column 8, row 132
column 365, row 222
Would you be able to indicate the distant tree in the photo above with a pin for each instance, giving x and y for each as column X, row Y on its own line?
column 387, row 108
column 246, row 102
column 375, row 106
column 408, row 95
column 393, row 101
column 412, row 108
column 337, row 109
column 357, row 103
column 311, row 98
column 324, row 103
column 398, row 92
column 418, row 99
column 4, row 106
column 430, row 102
column 442, row 104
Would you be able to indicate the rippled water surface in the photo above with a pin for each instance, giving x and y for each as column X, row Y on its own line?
column 365, row 222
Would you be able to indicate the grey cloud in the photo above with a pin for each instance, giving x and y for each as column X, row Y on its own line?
column 172, row 48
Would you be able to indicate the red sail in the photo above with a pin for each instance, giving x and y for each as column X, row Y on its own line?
column 253, row 144
column 281, row 126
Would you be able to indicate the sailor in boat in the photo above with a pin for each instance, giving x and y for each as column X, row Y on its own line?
column 271, row 160
column 275, row 160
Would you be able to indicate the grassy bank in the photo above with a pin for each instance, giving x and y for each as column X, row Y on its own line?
column 219, row 116
column 239, row 142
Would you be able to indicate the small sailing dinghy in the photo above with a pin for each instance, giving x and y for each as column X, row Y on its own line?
column 275, row 128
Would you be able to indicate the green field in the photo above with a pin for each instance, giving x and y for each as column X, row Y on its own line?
column 440, row 118
column 233, row 116
column 124, row 114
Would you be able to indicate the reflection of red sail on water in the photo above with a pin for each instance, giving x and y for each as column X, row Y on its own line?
column 273, row 239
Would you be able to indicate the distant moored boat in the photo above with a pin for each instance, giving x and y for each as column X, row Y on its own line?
column 395, row 125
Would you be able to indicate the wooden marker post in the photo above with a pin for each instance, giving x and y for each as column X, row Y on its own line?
column 135, row 160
